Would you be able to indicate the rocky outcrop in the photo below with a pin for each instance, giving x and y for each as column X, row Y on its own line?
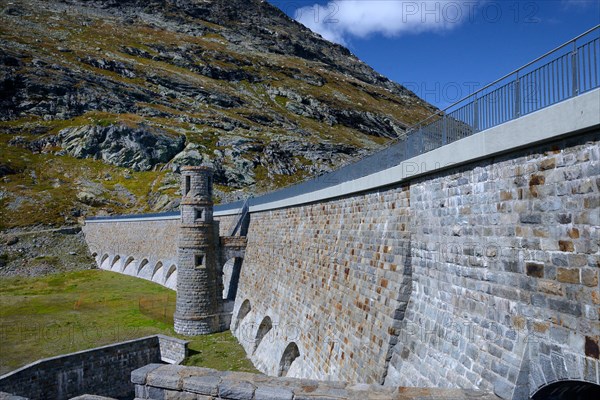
column 235, row 166
column 110, row 65
column 363, row 121
column 139, row 149
column 7, row 170
column 35, row 252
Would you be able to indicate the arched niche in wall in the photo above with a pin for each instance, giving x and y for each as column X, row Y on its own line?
column 568, row 390
column 102, row 262
column 127, row 263
column 115, row 261
column 171, row 277
column 156, row 273
column 142, row 265
column 290, row 354
column 263, row 329
column 172, row 269
column 244, row 310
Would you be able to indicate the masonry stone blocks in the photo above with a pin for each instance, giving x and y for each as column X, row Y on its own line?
column 200, row 306
column 505, row 260
column 483, row 276
column 144, row 249
column 103, row 370
column 479, row 276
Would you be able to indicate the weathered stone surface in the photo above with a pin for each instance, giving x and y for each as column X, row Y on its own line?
column 139, row 375
column 535, row 269
column 207, row 385
column 9, row 396
column 246, row 386
column 273, row 393
column 540, row 272
column 589, row 277
column 352, row 257
column 175, row 395
column 118, row 370
column 236, row 390
column 160, row 377
column 139, row 149
column 566, row 275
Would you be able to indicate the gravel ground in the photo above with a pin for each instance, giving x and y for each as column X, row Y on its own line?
column 37, row 252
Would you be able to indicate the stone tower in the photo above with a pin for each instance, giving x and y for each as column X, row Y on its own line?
column 199, row 301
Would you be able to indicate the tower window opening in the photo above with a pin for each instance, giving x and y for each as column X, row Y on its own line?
column 188, row 184
column 197, row 214
column 199, row 261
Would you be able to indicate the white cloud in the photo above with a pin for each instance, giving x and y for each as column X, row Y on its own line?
column 339, row 20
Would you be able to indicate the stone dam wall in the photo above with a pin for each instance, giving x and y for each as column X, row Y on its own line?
column 142, row 248
column 147, row 247
column 102, row 371
column 485, row 276
column 505, row 264
column 332, row 279
column 478, row 269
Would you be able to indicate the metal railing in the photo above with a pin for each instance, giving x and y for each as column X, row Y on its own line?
column 567, row 71
column 564, row 72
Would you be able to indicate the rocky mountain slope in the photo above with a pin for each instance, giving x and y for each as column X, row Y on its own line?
column 101, row 102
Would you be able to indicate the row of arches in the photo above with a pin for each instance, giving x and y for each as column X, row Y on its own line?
column 244, row 326
column 159, row 273
column 155, row 272
column 290, row 354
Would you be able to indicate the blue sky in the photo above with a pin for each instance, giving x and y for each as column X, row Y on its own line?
column 444, row 49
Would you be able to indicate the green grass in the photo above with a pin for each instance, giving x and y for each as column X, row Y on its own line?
column 63, row 313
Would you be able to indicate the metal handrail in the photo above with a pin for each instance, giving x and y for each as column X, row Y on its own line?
column 403, row 141
column 515, row 72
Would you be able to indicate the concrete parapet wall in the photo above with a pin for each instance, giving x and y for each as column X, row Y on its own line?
column 158, row 382
column 564, row 118
column 101, row 371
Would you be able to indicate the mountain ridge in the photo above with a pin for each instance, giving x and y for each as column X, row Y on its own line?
column 103, row 100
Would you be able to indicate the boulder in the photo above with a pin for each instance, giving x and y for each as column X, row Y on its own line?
column 192, row 155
